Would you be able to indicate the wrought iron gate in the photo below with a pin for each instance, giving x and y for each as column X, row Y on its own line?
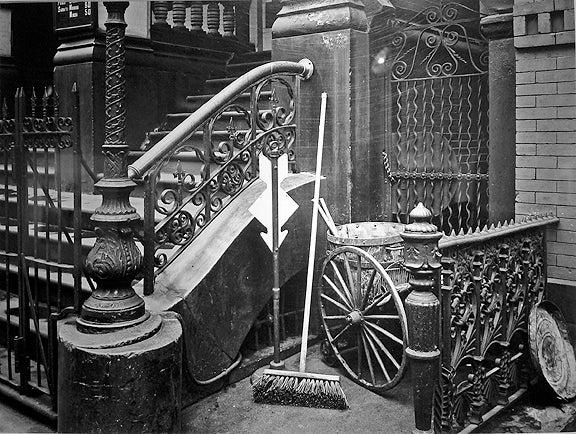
column 438, row 116
column 40, row 239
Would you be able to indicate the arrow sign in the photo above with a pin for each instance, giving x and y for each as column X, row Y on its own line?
column 263, row 208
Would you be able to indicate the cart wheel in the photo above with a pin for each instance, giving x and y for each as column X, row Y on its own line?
column 363, row 317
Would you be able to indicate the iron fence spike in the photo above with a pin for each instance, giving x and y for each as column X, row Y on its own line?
column 45, row 102
column 33, row 102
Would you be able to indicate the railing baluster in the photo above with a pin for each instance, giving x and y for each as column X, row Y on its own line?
column 149, row 236
column 22, row 360
column 179, row 15
column 77, row 176
column 213, row 19
column 160, row 12
column 196, row 17
column 229, row 20
column 7, row 243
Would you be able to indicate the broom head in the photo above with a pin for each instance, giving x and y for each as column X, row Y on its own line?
column 299, row 388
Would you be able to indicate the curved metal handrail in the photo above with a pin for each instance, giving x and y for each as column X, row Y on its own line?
column 303, row 69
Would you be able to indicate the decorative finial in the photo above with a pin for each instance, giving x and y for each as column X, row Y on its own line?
column 421, row 220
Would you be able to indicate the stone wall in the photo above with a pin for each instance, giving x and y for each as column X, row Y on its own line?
column 546, row 125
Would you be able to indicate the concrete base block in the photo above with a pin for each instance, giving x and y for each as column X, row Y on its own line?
column 128, row 380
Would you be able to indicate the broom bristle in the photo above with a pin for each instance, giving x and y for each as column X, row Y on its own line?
column 304, row 392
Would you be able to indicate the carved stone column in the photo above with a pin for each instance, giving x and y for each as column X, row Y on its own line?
column 115, row 260
column 422, row 259
column 498, row 29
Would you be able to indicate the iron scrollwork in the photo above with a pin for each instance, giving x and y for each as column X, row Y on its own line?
column 207, row 177
column 488, row 289
column 442, row 39
column 43, row 129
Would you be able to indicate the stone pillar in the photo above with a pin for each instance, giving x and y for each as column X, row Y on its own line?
column 119, row 366
column 422, row 259
column 333, row 35
column 498, row 29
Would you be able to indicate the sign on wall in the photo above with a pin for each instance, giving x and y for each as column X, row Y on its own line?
column 75, row 15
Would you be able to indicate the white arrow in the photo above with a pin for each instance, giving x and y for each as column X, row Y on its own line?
column 262, row 208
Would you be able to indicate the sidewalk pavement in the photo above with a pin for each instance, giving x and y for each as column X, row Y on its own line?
column 232, row 411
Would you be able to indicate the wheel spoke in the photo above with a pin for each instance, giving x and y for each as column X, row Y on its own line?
column 383, row 348
column 335, row 303
column 385, row 300
column 368, row 289
column 341, row 280
column 337, row 291
column 376, row 302
column 359, row 280
column 378, row 358
column 385, row 332
column 381, row 317
column 349, row 274
column 368, row 358
column 340, row 333
column 334, row 317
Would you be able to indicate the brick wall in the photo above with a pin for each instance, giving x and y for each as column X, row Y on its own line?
column 546, row 124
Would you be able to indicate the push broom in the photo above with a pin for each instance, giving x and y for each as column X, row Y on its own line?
column 302, row 388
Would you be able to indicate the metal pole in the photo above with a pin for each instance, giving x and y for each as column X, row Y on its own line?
column 21, row 175
column 276, row 363
column 115, row 260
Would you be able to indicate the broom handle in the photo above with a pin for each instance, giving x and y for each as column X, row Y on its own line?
column 313, row 230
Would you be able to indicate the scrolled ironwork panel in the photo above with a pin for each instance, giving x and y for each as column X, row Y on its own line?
column 438, row 70
column 232, row 140
column 491, row 287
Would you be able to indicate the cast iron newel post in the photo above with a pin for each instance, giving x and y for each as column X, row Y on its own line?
column 422, row 259
column 115, row 260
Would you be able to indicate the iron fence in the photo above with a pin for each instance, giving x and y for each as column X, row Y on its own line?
column 41, row 237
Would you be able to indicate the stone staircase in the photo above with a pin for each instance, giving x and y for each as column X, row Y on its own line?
column 190, row 161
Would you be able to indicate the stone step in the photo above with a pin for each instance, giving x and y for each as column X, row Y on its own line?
column 194, row 102
column 247, row 61
column 221, row 124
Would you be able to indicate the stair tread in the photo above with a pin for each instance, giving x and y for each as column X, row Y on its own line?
column 89, row 201
column 225, row 113
column 252, row 56
column 208, row 96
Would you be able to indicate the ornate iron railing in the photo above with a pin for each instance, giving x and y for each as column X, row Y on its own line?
column 490, row 279
column 256, row 111
column 438, row 151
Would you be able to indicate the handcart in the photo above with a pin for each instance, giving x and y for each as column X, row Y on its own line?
column 361, row 291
